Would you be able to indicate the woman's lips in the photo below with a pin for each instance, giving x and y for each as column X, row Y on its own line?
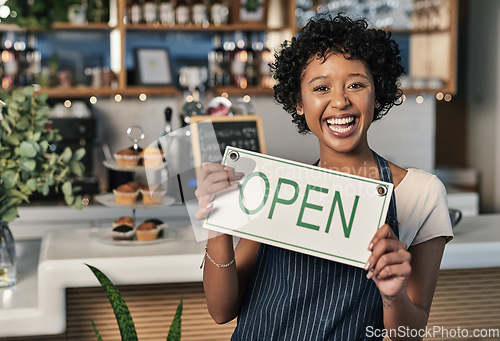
column 342, row 126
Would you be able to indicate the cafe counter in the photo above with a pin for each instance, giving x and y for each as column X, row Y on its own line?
column 47, row 269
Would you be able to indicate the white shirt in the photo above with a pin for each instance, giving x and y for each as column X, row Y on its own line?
column 422, row 208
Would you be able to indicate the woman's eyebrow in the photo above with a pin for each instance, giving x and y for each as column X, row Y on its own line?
column 316, row 78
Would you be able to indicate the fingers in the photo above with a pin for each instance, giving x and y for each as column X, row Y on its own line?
column 214, row 179
column 389, row 255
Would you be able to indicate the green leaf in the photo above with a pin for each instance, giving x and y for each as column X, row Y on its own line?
column 45, row 189
column 28, row 165
column 78, row 203
column 123, row 317
column 18, row 96
column 23, row 124
column 27, row 149
column 10, row 215
column 9, row 179
column 28, row 91
column 43, row 146
column 42, row 98
column 67, row 188
column 78, row 154
column 77, row 168
column 66, row 155
column 69, row 200
column 37, row 135
column 31, row 183
column 174, row 333
column 5, row 125
column 97, row 335
column 12, row 140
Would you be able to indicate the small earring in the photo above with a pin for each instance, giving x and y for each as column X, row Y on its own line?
column 377, row 105
column 299, row 111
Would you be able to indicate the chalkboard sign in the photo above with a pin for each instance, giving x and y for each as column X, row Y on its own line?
column 211, row 135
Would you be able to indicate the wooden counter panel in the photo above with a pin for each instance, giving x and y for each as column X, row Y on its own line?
column 469, row 299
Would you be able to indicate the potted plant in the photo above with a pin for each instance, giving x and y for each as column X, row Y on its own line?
column 27, row 165
column 122, row 314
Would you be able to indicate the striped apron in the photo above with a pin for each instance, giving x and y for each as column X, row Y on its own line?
column 293, row 296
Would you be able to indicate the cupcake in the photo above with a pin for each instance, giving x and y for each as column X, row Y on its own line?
column 125, row 194
column 135, row 185
column 147, row 231
column 152, row 157
column 125, row 220
column 152, row 194
column 123, row 232
column 127, row 157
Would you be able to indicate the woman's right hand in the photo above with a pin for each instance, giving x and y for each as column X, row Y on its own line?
column 213, row 179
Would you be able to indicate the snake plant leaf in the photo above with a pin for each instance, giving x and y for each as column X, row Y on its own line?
column 123, row 317
column 97, row 335
column 174, row 333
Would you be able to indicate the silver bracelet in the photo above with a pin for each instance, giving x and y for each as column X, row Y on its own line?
column 220, row 266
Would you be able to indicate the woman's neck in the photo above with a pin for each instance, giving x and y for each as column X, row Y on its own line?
column 361, row 162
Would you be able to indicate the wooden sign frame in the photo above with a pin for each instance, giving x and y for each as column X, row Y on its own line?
column 195, row 140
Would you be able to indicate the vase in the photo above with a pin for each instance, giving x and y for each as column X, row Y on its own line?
column 8, row 272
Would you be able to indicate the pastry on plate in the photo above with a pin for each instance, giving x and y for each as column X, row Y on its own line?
column 125, row 220
column 152, row 157
column 147, row 231
column 123, row 232
column 152, row 194
column 125, row 194
column 128, row 157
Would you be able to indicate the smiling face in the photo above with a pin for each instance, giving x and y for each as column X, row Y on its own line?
column 338, row 101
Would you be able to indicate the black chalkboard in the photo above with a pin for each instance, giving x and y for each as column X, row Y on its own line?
column 211, row 135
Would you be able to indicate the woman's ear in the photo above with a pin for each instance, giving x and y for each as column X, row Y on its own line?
column 300, row 110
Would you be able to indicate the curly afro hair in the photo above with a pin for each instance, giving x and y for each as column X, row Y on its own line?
column 353, row 38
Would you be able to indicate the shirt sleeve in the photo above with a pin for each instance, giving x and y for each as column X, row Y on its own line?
column 434, row 215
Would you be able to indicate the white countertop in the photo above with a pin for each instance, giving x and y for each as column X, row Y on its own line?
column 36, row 305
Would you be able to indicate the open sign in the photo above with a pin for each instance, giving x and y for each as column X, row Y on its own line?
column 301, row 207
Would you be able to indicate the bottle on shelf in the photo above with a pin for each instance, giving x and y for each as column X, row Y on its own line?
column 215, row 63
column 238, row 63
column 250, row 67
column 33, row 60
column 10, row 64
column 149, row 11
column 200, row 14
column 219, row 12
column 266, row 57
column 182, row 16
column 228, row 47
column 167, row 13
column 135, row 12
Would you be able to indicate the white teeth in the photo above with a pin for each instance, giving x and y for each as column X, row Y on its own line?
column 340, row 130
column 338, row 121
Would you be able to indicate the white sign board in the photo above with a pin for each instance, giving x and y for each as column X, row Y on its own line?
column 301, row 207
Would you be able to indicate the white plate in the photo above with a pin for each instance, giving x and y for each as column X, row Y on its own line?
column 108, row 199
column 104, row 235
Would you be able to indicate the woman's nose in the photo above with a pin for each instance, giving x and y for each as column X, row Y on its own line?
column 339, row 99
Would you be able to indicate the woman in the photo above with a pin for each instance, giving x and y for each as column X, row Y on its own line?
column 335, row 79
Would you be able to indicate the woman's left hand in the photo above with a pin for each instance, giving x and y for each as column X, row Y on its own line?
column 389, row 263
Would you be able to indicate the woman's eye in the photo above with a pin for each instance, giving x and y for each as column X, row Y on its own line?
column 321, row 88
column 356, row 86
